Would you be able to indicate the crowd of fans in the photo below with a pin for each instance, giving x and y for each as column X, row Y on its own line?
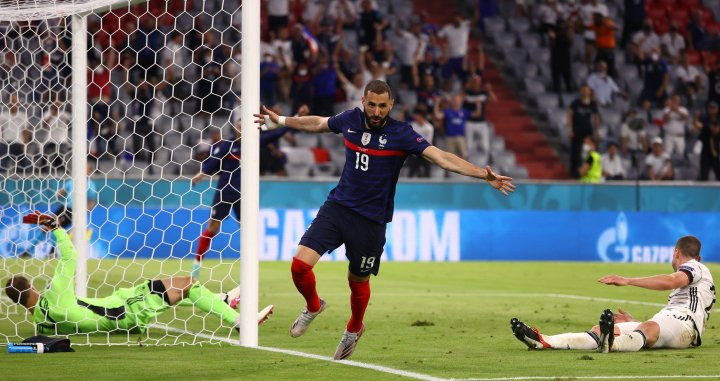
column 158, row 68
column 163, row 67
column 671, row 120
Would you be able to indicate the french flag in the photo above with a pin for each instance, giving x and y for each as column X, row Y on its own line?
column 312, row 42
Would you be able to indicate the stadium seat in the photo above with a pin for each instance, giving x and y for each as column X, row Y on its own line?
column 520, row 25
column 534, row 87
column 306, row 139
column 299, row 161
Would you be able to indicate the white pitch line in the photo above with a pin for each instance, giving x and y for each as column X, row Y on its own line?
column 682, row 376
column 357, row 364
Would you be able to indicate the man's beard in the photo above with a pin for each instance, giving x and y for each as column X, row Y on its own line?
column 368, row 120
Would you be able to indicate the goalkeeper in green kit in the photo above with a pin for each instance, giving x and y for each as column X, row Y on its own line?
column 58, row 310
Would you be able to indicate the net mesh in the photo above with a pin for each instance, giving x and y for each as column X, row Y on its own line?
column 16, row 10
column 163, row 87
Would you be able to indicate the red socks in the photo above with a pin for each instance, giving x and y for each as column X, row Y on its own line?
column 304, row 280
column 359, row 298
column 203, row 244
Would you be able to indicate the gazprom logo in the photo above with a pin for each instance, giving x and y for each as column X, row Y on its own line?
column 613, row 246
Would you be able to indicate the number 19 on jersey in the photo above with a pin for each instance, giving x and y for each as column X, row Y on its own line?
column 362, row 161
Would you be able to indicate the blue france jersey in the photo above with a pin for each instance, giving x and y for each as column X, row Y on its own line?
column 225, row 159
column 373, row 159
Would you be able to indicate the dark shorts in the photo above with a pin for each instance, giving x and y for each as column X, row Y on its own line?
column 363, row 238
column 223, row 202
column 64, row 216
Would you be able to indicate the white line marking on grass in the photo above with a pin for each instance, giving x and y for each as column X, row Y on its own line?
column 357, row 364
column 682, row 376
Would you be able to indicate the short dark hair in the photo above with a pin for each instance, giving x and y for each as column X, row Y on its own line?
column 18, row 288
column 689, row 246
column 378, row 87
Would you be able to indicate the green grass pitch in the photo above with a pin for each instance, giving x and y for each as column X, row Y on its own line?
column 446, row 320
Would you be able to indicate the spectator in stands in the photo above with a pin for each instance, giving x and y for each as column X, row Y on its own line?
column 672, row 43
column 425, row 88
column 417, row 165
column 457, row 36
column 612, row 164
column 16, row 136
column 428, row 64
column 644, row 42
column 278, row 13
column 269, row 73
column 591, row 169
column 324, row 79
column 711, row 115
column 603, row 86
column 560, row 40
column 700, row 39
column 281, row 48
column 633, row 135
column 656, row 77
column 477, row 94
column 588, row 12
column 344, row 11
column 633, row 19
column 412, row 44
column 583, row 120
column 675, row 118
column 329, row 35
column 455, row 120
column 659, row 166
column 548, row 15
column 689, row 80
column 354, row 90
column 713, row 75
column 144, row 144
column 709, row 136
column 372, row 69
column 605, row 42
column 53, row 136
column 301, row 90
column 372, row 24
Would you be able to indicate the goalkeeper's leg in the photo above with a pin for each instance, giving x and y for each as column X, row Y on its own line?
column 184, row 289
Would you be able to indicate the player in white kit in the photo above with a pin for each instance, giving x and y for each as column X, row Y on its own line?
column 678, row 325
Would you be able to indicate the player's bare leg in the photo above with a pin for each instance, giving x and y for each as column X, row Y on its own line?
column 359, row 298
column 304, row 279
column 204, row 244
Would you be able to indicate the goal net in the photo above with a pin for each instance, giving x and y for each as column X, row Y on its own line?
column 159, row 85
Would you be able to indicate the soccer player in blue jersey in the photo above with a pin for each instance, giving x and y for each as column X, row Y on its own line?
column 360, row 206
column 224, row 160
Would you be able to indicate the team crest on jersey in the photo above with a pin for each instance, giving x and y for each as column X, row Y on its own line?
column 366, row 138
column 383, row 140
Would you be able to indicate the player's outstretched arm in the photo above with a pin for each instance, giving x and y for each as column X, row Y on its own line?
column 268, row 120
column 453, row 163
column 661, row 282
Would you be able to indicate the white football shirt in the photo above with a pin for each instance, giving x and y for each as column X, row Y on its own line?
column 697, row 298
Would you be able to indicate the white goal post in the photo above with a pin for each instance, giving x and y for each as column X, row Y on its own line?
column 178, row 156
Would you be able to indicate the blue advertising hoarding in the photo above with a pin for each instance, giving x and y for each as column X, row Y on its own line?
column 414, row 235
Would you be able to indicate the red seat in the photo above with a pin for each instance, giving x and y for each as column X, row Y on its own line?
column 668, row 3
column 694, row 57
column 690, row 4
column 657, row 14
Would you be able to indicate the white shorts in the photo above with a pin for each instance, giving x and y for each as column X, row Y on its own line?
column 677, row 331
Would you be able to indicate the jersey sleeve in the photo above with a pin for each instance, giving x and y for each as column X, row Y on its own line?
column 692, row 270
column 62, row 285
column 413, row 142
column 335, row 123
column 212, row 164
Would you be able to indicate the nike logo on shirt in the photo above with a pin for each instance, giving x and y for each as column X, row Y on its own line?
column 351, row 131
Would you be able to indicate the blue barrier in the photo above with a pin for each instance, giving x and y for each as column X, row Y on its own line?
column 433, row 222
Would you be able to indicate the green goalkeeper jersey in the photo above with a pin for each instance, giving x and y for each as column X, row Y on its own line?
column 60, row 311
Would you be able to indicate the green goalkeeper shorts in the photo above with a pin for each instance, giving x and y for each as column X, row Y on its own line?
column 142, row 304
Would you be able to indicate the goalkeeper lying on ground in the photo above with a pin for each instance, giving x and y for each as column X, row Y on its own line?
column 57, row 310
